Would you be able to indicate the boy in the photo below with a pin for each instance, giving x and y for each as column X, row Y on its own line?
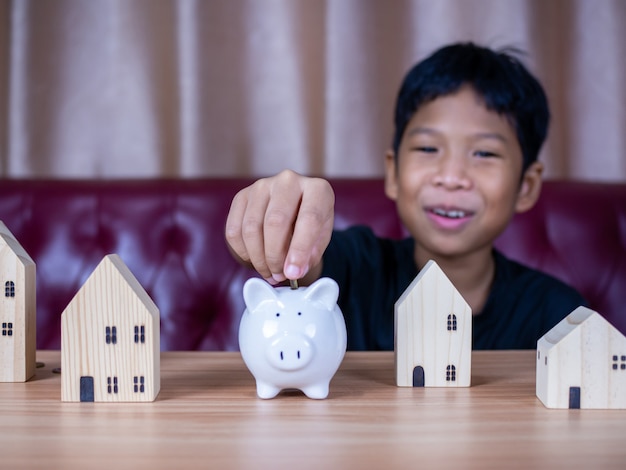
column 469, row 124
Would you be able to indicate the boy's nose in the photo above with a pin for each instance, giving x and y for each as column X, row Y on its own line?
column 452, row 173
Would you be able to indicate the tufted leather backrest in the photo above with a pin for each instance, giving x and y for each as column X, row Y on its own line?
column 170, row 234
column 577, row 232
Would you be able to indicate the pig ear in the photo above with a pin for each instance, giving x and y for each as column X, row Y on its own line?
column 256, row 291
column 325, row 291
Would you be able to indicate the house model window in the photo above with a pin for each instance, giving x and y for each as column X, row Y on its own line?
column 9, row 289
column 139, row 384
column 452, row 322
column 112, row 385
column 619, row 362
column 140, row 334
column 451, row 373
column 111, row 335
column 7, row 329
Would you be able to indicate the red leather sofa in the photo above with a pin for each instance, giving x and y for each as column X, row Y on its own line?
column 170, row 234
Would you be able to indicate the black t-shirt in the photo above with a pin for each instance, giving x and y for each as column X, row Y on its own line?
column 372, row 274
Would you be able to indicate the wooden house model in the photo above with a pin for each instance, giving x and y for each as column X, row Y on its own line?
column 18, row 315
column 581, row 363
column 433, row 333
column 110, row 343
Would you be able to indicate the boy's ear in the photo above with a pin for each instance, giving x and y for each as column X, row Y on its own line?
column 391, row 175
column 530, row 189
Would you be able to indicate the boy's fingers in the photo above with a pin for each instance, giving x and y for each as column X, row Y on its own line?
column 280, row 218
column 312, row 230
column 281, row 225
column 234, row 222
column 252, row 230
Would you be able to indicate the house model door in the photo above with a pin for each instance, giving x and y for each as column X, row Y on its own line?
column 86, row 389
column 418, row 376
column 574, row 398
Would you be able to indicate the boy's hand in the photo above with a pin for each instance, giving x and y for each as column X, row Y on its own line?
column 281, row 226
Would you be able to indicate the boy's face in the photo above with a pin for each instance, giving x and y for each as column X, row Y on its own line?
column 456, row 180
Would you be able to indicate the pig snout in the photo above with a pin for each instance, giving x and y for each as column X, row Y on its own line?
column 290, row 352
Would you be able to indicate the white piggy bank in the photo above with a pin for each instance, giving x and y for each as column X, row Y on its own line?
column 292, row 338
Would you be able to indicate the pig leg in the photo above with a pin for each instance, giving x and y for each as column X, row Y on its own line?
column 266, row 390
column 317, row 391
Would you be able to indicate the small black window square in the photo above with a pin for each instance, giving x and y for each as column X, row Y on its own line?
column 138, row 386
column 7, row 329
column 9, row 289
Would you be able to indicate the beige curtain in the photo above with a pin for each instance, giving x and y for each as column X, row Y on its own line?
column 164, row 88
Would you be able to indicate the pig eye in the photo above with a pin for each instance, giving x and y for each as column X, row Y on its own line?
column 277, row 314
column 299, row 313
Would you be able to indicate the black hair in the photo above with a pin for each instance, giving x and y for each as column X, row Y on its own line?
column 505, row 85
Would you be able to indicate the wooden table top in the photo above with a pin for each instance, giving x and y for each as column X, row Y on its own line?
column 207, row 415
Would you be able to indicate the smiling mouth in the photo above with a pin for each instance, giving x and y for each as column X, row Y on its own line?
column 450, row 213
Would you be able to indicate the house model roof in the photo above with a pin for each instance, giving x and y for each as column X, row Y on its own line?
column 571, row 324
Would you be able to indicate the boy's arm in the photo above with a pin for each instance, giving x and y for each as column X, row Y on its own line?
column 281, row 226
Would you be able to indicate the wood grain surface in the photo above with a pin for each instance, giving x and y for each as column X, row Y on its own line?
column 207, row 415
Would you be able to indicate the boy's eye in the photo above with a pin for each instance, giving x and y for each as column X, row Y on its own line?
column 485, row 154
column 425, row 149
